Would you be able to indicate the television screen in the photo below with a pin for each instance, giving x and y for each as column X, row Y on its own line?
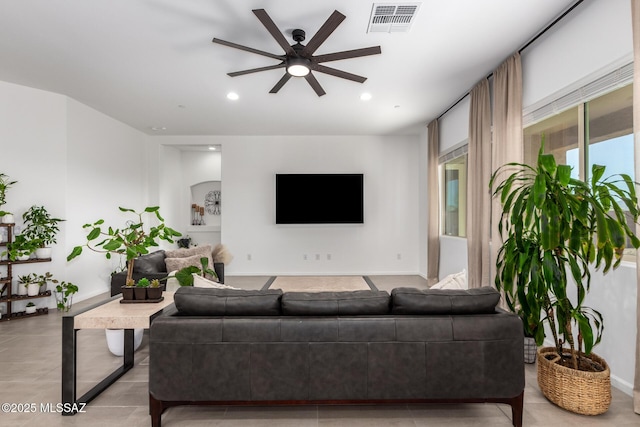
column 319, row 199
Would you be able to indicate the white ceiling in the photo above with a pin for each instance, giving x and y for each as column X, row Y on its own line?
column 151, row 63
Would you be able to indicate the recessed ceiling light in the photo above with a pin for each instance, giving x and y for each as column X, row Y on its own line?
column 158, row 128
column 365, row 96
column 233, row 96
column 212, row 148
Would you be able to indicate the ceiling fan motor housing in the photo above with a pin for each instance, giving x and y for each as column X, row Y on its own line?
column 298, row 35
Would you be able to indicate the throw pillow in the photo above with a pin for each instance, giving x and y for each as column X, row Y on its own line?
column 197, row 252
column 201, row 282
column 180, row 263
column 150, row 263
column 453, row 281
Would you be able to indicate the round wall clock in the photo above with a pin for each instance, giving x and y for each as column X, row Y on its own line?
column 212, row 202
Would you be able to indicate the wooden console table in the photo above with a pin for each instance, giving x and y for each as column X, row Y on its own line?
column 105, row 315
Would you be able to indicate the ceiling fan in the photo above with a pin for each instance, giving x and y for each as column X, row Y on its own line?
column 298, row 59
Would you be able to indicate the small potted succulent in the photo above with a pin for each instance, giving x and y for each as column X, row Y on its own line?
column 140, row 291
column 154, row 291
column 30, row 308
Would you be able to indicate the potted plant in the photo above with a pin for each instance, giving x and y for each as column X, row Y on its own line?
column 140, row 290
column 64, row 295
column 43, row 280
column 30, row 308
column 5, row 184
column 554, row 229
column 132, row 240
column 154, row 292
column 20, row 249
column 42, row 228
column 23, row 282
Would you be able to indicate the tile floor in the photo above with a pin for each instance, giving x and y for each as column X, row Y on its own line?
column 30, row 360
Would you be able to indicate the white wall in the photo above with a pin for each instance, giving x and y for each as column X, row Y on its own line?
column 249, row 165
column 454, row 126
column 106, row 169
column 33, row 135
column 78, row 163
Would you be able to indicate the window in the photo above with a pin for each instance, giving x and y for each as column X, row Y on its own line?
column 599, row 131
column 453, row 203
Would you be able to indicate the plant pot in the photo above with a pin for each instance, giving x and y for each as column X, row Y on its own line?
column 115, row 340
column 127, row 292
column 22, row 289
column 586, row 393
column 61, row 303
column 30, row 310
column 140, row 293
column 154, row 293
column 43, row 253
column 23, row 257
column 8, row 219
column 33, row 289
column 530, row 350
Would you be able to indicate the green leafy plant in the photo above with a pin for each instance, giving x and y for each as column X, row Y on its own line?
column 143, row 283
column 25, row 279
column 184, row 276
column 64, row 295
column 31, row 304
column 21, row 246
column 40, row 226
column 554, row 228
column 155, row 283
column 5, row 184
column 132, row 240
column 44, row 279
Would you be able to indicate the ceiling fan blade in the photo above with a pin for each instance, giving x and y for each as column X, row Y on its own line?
column 314, row 84
column 274, row 31
column 323, row 33
column 347, row 54
column 255, row 70
column 280, row 83
column 339, row 73
column 248, row 49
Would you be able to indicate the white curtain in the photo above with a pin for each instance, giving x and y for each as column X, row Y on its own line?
column 433, row 215
column 507, row 132
column 478, row 194
column 635, row 20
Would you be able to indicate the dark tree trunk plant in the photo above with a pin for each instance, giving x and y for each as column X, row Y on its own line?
column 554, row 228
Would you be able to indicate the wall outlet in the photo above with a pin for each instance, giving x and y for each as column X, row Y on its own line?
column 305, row 257
column 248, row 257
column 317, row 257
column 328, row 257
column 399, row 256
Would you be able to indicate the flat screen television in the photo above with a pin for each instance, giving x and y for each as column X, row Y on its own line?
column 319, row 199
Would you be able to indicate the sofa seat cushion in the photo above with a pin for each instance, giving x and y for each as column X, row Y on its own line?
column 444, row 301
column 335, row 303
column 150, row 263
column 193, row 301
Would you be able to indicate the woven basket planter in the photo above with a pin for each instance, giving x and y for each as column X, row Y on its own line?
column 586, row 393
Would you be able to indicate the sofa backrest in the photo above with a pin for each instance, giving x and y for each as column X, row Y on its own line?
column 444, row 301
column 192, row 301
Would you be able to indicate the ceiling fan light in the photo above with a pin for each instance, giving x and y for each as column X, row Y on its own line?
column 298, row 67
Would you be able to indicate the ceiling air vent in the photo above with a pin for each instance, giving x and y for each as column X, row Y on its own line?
column 392, row 17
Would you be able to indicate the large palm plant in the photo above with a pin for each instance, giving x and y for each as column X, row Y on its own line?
column 553, row 228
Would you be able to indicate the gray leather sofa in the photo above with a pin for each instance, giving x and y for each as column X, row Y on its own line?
column 226, row 347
